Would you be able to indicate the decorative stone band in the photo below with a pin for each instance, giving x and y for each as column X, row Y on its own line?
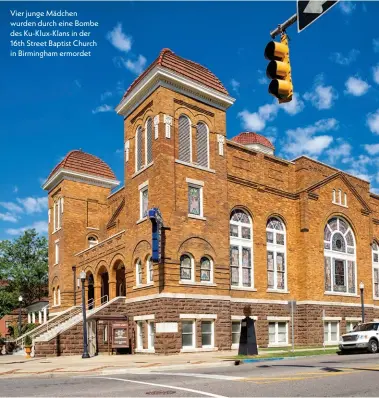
column 198, row 316
column 144, row 317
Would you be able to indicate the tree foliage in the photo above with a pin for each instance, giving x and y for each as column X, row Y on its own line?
column 24, row 266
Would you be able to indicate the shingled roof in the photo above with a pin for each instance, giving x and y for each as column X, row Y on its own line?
column 83, row 162
column 168, row 59
column 250, row 137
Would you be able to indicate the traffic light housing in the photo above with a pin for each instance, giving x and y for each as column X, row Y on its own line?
column 279, row 69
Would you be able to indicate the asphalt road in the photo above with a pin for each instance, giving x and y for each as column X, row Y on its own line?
column 329, row 375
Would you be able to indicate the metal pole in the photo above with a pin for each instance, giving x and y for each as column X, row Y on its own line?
column 85, row 348
column 19, row 321
column 363, row 307
column 74, row 271
column 283, row 26
column 292, row 326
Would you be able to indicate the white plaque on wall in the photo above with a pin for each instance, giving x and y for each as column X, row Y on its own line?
column 166, row 327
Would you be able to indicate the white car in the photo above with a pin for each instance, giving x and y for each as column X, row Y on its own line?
column 364, row 336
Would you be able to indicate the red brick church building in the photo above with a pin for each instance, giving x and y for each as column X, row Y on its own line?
column 241, row 226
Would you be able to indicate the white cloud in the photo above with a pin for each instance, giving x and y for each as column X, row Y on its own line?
column 322, row 97
column 78, row 84
column 137, row 66
column 359, row 166
column 372, row 149
column 294, row 107
column 119, row 39
column 39, row 226
column 257, row 121
column 373, row 122
column 347, row 7
column 33, row 205
column 375, row 43
column 303, row 140
column 356, row 86
column 235, row 85
column 8, row 217
column 375, row 71
column 102, row 108
column 341, row 59
column 341, row 150
column 105, row 95
column 12, row 207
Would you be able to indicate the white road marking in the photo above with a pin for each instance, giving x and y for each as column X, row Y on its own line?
column 200, row 375
column 208, row 394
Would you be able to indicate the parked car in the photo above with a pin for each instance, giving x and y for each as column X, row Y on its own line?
column 364, row 336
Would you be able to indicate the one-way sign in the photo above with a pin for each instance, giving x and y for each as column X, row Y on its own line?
column 310, row 10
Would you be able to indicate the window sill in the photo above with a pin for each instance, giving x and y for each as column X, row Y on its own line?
column 195, row 166
column 340, row 204
column 277, row 291
column 143, row 286
column 341, row 294
column 141, row 220
column 93, row 228
column 57, row 230
column 202, row 349
column 197, row 217
column 142, row 170
column 246, row 288
column 197, row 283
column 145, row 350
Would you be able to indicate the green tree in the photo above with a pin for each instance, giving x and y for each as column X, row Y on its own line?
column 24, row 265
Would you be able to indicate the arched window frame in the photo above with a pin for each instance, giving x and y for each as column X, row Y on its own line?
column 204, row 271
column 189, row 132
column 54, row 297
column 191, row 268
column 149, row 270
column 148, row 141
column 92, row 241
column 375, row 269
column 333, row 258
column 138, row 149
column 239, row 246
column 58, row 296
column 198, row 149
column 138, row 272
column 276, row 251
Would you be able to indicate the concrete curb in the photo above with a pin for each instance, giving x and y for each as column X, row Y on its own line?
column 252, row 360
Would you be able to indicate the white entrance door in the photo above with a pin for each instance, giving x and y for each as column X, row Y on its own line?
column 91, row 327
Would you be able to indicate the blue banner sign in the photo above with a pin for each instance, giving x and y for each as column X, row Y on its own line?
column 156, row 239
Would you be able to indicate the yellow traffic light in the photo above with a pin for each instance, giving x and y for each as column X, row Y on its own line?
column 279, row 69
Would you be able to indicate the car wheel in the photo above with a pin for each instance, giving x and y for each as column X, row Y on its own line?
column 373, row 346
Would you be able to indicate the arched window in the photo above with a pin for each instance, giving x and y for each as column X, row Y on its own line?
column 375, row 266
column 58, row 296
column 206, row 269
column 149, row 270
column 185, row 141
column 139, row 149
column 149, row 141
column 92, row 241
column 54, row 296
column 241, row 249
column 276, row 254
column 339, row 257
column 139, row 272
column 202, row 145
column 186, row 268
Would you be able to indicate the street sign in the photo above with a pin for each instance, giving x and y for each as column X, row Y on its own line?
column 310, row 10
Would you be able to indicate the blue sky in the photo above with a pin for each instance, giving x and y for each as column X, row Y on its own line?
column 50, row 106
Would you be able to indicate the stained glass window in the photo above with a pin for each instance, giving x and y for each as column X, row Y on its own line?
column 241, row 249
column 276, row 254
column 145, row 202
column 194, row 205
column 339, row 253
column 205, row 269
column 185, row 267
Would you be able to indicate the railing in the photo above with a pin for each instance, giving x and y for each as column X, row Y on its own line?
column 92, row 302
column 45, row 327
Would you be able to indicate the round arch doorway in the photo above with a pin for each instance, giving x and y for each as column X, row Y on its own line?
column 91, row 291
column 120, row 280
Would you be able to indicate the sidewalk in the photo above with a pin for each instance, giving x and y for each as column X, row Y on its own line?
column 19, row 366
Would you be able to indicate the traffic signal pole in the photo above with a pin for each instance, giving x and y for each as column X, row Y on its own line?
column 281, row 28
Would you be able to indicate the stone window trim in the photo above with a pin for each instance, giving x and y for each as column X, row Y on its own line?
column 57, row 213
column 198, row 316
column 332, row 318
column 139, row 273
column 194, row 165
column 142, row 189
column 150, row 317
column 194, row 318
column 167, row 120
column 92, row 241
column 56, row 296
column 375, row 270
column 278, row 318
column 127, row 150
column 156, row 126
column 205, row 333
column 143, row 286
column 353, row 319
column 244, row 288
column 192, row 267
column 150, row 336
column 202, row 268
column 276, row 322
column 194, row 283
column 139, row 335
column 191, row 183
column 143, row 169
column 149, row 270
column 139, row 166
column 277, row 250
column 56, row 252
column 339, row 198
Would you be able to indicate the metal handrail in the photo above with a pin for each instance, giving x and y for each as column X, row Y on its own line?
column 91, row 302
